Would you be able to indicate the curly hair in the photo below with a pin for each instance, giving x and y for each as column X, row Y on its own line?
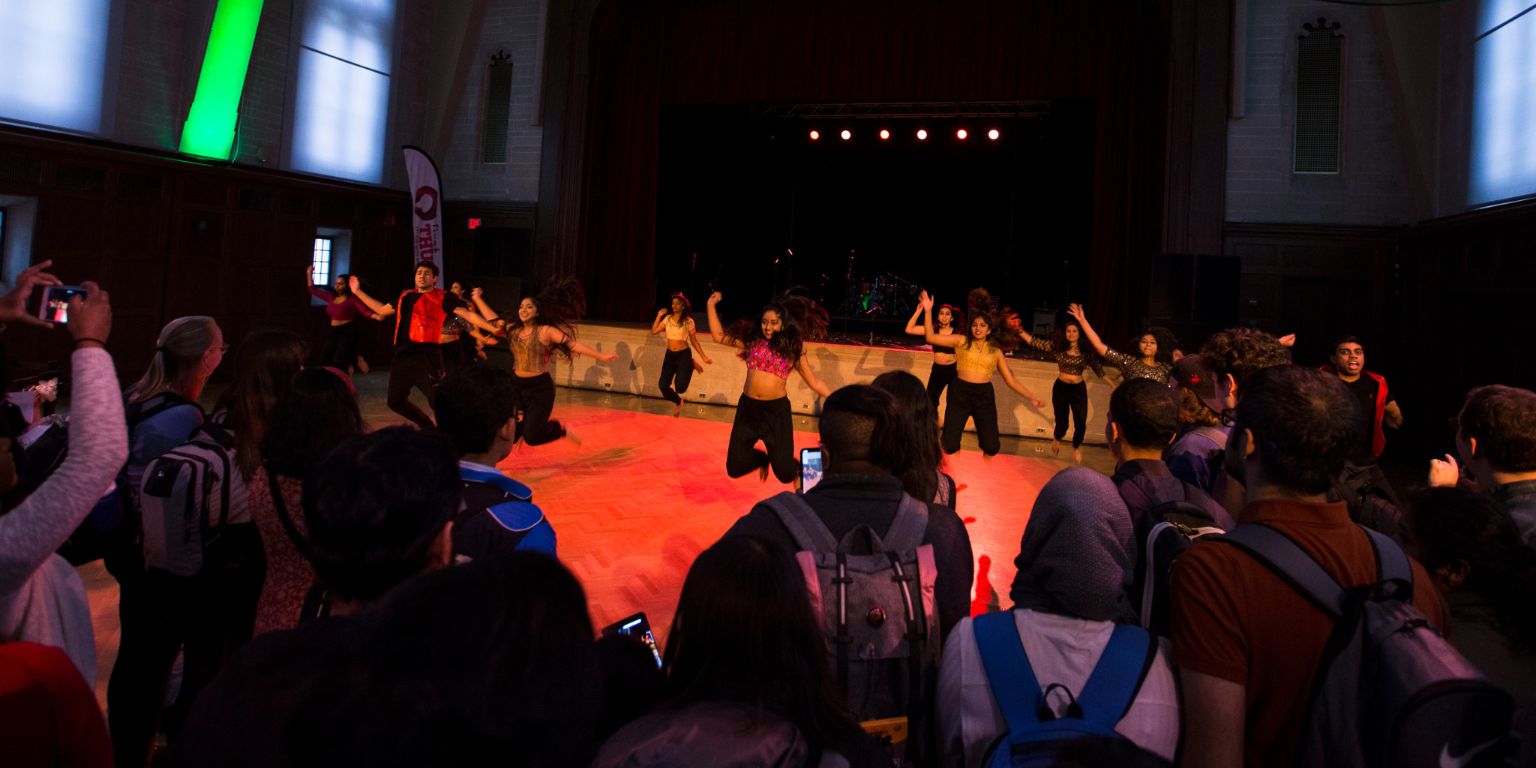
column 984, row 308
column 560, row 304
column 804, row 320
column 687, row 313
column 1167, row 342
column 1243, row 352
column 1304, row 423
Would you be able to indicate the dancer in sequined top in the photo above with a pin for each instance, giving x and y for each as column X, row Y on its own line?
column 1154, row 363
column 772, row 347
column 1070, row 392
column 978, row 355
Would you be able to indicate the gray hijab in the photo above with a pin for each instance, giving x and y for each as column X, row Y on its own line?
column 1078, row 550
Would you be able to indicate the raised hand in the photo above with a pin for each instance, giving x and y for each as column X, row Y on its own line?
column 13, row 305
column 714, row 298
column 1444, row 474
column 1076, row 311
column 924, row 300
column 354, row 283
column 1288, row 340
column 90, row 317
column 476, row 292
column 660, row 313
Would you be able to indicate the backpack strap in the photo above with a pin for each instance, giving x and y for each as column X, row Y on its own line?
column 1014, row 685
column 299, row 542
column 805, row 526
column 1112, row 686
column 909, row 526
column 1392, row 566
column 1292, row 564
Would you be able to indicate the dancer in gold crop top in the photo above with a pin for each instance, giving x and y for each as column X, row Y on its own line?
column 543, row 325
column 772, row 346
column 678, row 367
column 977, row 356
column 1070, row 393
column 943, row 372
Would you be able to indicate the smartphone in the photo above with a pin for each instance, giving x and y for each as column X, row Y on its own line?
column 810, row 468
column 54, row 307
column 639, row 628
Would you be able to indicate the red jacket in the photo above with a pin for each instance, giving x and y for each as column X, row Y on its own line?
column 427, row 316
column 1378, row 437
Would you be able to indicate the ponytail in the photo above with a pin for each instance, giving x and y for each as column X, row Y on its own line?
column 182, row 342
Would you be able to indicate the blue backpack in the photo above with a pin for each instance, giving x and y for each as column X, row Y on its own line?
column 1035, row 733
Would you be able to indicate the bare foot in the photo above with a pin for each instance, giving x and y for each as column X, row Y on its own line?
column 362, row 365
column 1077, row 455
column 1055, row 447
column 677, row 410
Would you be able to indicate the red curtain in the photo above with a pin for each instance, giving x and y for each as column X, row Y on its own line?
column 651, row 53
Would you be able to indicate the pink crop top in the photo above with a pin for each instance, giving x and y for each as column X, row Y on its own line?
column 761, row 357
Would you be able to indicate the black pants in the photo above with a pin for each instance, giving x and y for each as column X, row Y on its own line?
column 340, row 350
column 536, row 399
column 1073, row 397
column 971, row 401
column 414, row 367
column 208, row 616
column 939, row 378
column 771, row 422
column 678, row 365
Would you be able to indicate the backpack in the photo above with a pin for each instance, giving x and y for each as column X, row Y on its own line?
column 187, row 498
column 1390, row 690
column 1174, row 533
column 875, row 597
column 1035, row 733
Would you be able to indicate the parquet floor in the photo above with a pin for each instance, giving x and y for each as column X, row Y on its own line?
column 638, row 494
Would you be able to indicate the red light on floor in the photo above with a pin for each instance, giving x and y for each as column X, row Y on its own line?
column 474, row 223
column 846, row 134
column 961, row 134
column 884, row 134
column 815, row 135
column 922, row 135
column 993, row 134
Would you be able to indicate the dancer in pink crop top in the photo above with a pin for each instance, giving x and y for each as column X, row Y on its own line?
column 343, row 307
column 772, row 347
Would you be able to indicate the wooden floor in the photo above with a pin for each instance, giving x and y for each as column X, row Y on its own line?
column 638, row 494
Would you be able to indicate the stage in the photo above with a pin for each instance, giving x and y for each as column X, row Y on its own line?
column 642, row 493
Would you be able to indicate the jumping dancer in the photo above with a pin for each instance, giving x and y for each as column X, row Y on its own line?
column 544, row 324
column 343, row 308
column 1155, row 362
column 977, row 356
column 1070, row 392
column 771, row 347
column 677, row 321
column 419, row 316
column 943, row 371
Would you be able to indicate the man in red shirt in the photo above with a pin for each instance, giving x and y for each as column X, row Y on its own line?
column 1247, row 644
column 419, row 316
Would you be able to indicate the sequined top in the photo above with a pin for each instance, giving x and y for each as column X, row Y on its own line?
column 1066, row 362
column 761, row 357
column 529, row 355
column 1133, row 368
column 977, row 357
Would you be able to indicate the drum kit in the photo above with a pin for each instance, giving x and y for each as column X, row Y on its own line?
column 886, row 295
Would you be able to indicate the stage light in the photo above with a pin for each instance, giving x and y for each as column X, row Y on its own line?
column 922, row 135
column 815, row 135
column 884, row 134
column 846, row 134
column 993, row 134
column 961, row 134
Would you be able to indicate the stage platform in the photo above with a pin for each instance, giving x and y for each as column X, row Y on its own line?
column 642, row 493
column 638, row 367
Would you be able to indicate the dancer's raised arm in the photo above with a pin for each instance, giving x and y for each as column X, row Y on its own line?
column 925, row 302
column 716, row 330
column 378, row 307
column 1076, row 311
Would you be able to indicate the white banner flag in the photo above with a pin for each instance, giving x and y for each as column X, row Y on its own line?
column 426, row 207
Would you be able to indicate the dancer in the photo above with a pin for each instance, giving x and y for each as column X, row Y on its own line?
column 544, row 324
column 943, row 371
column 772, row 346
column 977, row 357
column 679, row 365
column 419, row 316
column 1155, row 362
column 1070, row 392
column 343, row 308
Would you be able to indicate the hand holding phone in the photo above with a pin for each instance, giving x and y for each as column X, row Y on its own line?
column 810, row 468
column 639, row 628
column 13, row 304
column 54, row 308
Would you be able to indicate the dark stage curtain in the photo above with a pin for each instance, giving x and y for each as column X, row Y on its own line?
column 648, row 53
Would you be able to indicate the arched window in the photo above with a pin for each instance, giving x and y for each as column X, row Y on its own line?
column 1319, row 83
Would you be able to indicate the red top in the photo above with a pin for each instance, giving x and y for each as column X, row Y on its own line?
column 48, row 716
column 340, row 311
column 427, row 310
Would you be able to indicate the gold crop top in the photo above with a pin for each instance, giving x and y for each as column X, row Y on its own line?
column 977, row 357
column 529, row 354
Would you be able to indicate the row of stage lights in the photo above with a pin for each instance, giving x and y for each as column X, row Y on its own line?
column 922, row 134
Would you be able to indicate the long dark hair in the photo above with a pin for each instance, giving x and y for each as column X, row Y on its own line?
column 346, row 287
column 317, row 413
column 265, row 364
column 744, row 632
column 803, row 320
column 1460, row 524
column 956, row 321
column 918, row 438
column 998, row 333
column 561, row 304
column 687, row 313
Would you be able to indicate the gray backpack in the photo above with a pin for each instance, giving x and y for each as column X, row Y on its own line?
column 1390, row 690
column 875, row 597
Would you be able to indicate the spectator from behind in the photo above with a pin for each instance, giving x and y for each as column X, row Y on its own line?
column 1143, row 417
column 1496, row 441
column 1074, row 563
column 316, row 413
column 1472, row 551
column 921, row 463
column 1247, row 644
column 747, row 678
column 476, row 408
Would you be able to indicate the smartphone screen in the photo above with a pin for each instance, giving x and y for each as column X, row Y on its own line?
column 639, row 628
column 55, row 305
column 810, row 468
